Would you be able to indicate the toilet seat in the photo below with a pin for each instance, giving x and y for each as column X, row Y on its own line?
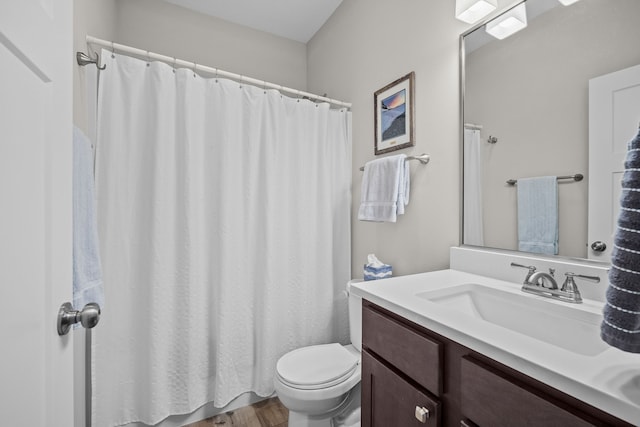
column 316, row 367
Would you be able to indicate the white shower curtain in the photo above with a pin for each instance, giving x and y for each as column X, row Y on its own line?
column 224, row 218
column 472, row 226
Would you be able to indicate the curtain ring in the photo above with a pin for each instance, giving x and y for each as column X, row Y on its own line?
column 148, row 59
column 216, row 75
column 241, row 81
column 194, row 69
column 113, row 51
column 174, row 65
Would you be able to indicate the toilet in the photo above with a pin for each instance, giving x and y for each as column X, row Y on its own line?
column 320, row 384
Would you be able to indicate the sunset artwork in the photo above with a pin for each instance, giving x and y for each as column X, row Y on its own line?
column 393, row 115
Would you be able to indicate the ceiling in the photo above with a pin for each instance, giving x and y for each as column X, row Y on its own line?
column 297, row 20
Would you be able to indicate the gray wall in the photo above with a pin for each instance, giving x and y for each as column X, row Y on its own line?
column 175, row 31
column 364, row 46
column 531, row 91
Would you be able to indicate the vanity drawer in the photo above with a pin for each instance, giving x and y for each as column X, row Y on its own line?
column 491, row 398
column 389, row 400
column 406, row 348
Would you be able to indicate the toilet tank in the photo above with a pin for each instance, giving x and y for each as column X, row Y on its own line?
column 355, row 316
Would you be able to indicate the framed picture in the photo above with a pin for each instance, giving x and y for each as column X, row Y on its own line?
column 393, row 115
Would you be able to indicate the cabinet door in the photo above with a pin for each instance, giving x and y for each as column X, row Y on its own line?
column 492, row 399
column 389, row 400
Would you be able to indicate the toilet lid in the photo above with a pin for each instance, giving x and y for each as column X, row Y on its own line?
column 317, row 366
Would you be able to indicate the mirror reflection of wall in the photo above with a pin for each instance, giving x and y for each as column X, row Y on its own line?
column 530, row 90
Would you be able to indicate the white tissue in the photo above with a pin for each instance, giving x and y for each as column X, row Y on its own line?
column 373, row 261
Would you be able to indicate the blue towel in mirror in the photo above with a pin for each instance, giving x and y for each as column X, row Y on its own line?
column 538, row 215
column 621, row 316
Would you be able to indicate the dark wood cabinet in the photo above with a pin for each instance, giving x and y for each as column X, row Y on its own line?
column 408, row 369
column 392, row 400
column 491, row 398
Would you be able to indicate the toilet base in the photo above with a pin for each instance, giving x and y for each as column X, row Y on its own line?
column 297, row 419
column 347, row 414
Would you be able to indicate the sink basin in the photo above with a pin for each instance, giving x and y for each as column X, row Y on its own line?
column 564, row 326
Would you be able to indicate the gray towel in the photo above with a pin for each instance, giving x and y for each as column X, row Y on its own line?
column 621, row 323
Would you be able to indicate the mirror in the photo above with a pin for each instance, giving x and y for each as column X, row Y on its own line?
column 527, row 96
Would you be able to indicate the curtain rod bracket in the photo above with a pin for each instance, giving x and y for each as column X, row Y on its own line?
column 84, row 59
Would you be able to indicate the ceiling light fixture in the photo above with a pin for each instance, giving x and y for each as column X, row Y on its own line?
column 508, row 23
column 471, row 11
column 567, row 2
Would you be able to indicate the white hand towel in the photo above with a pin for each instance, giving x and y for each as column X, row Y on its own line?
column 385, row 189
column 87, row 270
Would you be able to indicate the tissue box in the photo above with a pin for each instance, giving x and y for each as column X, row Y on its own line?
column 375, row 273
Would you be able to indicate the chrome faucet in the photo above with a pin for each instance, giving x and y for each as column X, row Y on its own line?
column 545, row 284
column 540, row 278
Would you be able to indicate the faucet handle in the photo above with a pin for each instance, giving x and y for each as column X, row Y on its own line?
column 569, row 282
column 552, row 272
column 532, row 269
column 570, row 286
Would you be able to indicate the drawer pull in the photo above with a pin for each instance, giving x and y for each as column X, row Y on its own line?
column 422, row 414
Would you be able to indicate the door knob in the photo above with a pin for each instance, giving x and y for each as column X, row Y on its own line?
column 67, row 316
column 599, row 246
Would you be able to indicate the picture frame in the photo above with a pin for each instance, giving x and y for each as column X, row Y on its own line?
column 394, row 115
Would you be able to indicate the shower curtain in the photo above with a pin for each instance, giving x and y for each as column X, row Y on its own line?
column 473, row 227
column 224, row 219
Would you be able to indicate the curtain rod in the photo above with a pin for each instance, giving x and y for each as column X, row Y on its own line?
column 197, row 67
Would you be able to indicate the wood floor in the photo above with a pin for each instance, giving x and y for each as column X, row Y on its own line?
column 267, row 413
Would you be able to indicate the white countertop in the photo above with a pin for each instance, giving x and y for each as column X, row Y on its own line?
column 609, row 380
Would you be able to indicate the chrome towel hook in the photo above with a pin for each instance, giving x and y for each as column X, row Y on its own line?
column 83, row 59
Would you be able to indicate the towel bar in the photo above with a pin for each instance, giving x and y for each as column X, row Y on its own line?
column 422, row 158
column 576, row 177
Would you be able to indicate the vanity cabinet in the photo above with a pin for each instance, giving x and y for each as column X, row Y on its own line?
column 412, row 376
column 397, row 391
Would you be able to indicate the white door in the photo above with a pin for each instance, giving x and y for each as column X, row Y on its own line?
column 36, row 365
column 614, row 117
